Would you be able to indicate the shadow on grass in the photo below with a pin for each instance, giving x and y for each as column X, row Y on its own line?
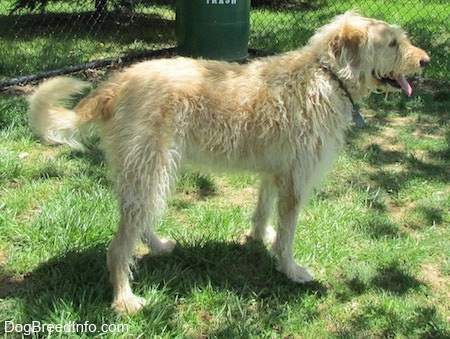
column 378, row 318
column 77, row 284
column 379, row 321
column 84, row 24
column 391, row 279
column 53, row 41
column 78, row 281
column 393, row 164
column 382, row 228
column 248, row 270
column 394, row 279
column 434, row 168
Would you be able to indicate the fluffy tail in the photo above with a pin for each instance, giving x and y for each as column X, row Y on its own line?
column 57, row 125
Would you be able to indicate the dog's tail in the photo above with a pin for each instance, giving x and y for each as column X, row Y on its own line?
column 58, row 125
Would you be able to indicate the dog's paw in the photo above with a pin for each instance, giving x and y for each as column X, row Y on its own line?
column 131, row 304
column 297, row 273
column 268, row 237
column 164, row 246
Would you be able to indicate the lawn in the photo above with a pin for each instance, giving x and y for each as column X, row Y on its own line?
column 376, row 236
column 66, row 34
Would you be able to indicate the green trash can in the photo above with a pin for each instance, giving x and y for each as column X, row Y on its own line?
column 213, row 29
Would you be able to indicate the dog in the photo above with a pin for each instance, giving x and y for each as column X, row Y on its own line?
column 283, row 117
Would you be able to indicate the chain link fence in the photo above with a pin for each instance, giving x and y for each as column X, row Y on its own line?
column 43, row 37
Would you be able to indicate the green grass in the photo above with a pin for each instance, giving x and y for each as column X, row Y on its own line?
column 66, row 34
column 426, row 25
column 376, row 236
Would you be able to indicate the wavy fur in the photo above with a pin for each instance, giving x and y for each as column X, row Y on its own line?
column 284, row 117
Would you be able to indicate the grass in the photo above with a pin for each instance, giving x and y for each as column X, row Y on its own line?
column 67, row 34
column 376, row 235
column 425, row 24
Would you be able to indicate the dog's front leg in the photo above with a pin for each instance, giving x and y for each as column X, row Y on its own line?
column 288, row 211
column 260, row 230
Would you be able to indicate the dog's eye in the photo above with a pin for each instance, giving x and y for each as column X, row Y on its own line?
column 393, row 43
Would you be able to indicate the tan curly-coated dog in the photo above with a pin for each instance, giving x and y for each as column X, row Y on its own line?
column 283, row 117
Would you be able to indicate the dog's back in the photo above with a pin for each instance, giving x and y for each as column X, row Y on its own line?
column 282, row 116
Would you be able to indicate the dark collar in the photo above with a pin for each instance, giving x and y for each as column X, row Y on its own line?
column 356, row 116
column 341, row 84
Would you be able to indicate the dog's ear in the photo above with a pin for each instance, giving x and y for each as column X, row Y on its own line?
column 348, row 49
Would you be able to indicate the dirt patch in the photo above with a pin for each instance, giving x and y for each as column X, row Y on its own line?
column 4, row 255
column 432, row 275
column 428, row 84
column 396, row 211
column 18, row 90
column 244, row 197
column 388, row 137
column 440, row 285
column 9, row 283
column 35, row 155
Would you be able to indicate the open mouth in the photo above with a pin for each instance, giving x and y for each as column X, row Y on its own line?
column 396, row 81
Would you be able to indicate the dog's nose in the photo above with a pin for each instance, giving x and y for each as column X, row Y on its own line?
column 424, row 61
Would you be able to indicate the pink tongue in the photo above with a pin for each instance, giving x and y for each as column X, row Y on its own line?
column 404, row 84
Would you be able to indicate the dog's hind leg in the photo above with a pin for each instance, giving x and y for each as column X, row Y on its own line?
column 163, row 181
column 142, row 189
column 120, row 253
column 157, row 245
column 288, row 210
column 267, row 194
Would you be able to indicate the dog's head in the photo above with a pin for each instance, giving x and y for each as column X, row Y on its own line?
column 371, row 55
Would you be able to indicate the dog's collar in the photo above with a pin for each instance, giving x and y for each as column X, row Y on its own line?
column 341, row 84
column 356, row 116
